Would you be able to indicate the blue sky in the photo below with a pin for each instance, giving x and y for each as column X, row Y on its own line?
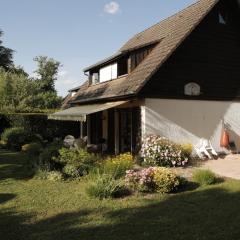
column 76, row 32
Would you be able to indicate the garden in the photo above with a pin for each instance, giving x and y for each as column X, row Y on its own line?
column 107, row 177
column 51, row 191
column 152, row 171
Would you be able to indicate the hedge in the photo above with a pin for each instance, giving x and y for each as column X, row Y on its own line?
column 39, row 124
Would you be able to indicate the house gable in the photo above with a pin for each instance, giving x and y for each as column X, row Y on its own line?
column 209, row 57
column 169, row 33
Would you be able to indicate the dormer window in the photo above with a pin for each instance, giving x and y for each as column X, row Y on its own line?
column 138, row 56
column 108, row 73
column 95, row 78
column 122, row 67
column 117, row 66
column 73, row 93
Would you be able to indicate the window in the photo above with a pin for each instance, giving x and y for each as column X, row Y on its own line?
column 73, row 93
column 221, row 19
column 138, row 56
column 95, row 78
column 123, row 67
column 108, row 73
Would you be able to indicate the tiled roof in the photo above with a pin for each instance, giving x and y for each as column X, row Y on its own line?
column 171, row 31
column 66, row 102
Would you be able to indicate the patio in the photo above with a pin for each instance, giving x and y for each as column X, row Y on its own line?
column 229, row 166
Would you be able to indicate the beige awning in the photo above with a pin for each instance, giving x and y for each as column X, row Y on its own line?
column 79, row 113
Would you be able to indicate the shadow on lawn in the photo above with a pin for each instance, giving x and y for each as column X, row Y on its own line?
column 212, row 214
column 13, row 165
column 4, row 197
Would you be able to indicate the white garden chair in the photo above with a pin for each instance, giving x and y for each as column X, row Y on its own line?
column 204, row 148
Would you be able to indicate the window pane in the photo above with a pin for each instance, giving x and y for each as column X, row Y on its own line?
column 105, row 74
column 108, row 73
column 114, row 71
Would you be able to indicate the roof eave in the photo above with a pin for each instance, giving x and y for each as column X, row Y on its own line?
column 104, row 99
column 104, row 61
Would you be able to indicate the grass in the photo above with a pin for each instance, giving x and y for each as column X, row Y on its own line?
column 204, row 177
column 43, row 210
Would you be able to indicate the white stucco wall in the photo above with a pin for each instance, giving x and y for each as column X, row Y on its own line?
column 185, row 121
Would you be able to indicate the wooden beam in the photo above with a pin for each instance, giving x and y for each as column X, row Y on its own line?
column 116, row 119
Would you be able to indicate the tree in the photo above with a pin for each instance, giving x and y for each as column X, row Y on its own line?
column 20, row 93
column 6, row 55
column 19, row 70
column 14, row 88
column 47, row 72
column 42, row 101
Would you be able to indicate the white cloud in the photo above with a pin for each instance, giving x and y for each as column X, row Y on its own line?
column 112, row 8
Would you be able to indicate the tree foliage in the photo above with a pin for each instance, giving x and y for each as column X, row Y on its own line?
column 47, row 72
column 6, row 55
column 19, row 93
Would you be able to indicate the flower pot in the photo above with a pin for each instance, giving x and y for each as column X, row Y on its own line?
column 224, row 139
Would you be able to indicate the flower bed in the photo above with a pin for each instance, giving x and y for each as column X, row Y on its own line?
column 160, row 151
column 152, row 179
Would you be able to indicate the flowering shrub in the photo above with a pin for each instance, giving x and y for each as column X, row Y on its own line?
column 118, row 165
column 141, row 180
column 152, row 179
column 166, row 180
column 186, row 149
column 160, row 151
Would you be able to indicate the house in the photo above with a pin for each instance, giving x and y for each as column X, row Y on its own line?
column 179, row 79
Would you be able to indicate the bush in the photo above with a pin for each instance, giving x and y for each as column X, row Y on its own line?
column 71, row 171
column 39, row 124
column 76, row 162
column 186, row 150
column 54, row 176
column 141, row 181
column 162, row 152
column 46, row 158
column 51, row 176
column 16, row 137
column 3, row 144
column 153, row 179
column 166, row 180
column 204, row 177
column 40, row 101
column 32, row 148
column 105, row 186
column 117, row 166
column 41, row 174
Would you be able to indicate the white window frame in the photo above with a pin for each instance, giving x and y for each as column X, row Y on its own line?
column 108, row 73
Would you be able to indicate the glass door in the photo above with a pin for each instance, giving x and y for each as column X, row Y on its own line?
column 125, row 130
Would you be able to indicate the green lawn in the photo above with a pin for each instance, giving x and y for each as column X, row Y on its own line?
column 34, row 209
